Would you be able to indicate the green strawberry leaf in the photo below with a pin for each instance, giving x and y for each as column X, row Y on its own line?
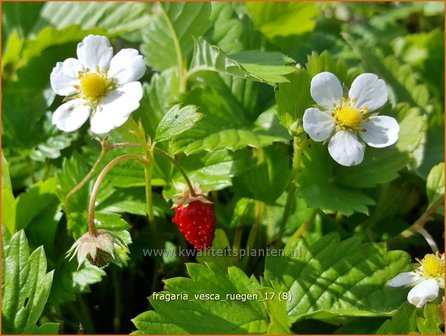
column 435, row 183
column 172, row 29
column 159, row 95
column 431, row 322
column 26, row 284
column 226, row 29
column 212, row 305
column 69, row 281
column 8, row 200
column 268, row 67
column 337, row 278
column 279, row 19
column 269, row 165
column 402, row 322
column 318, row 187
column 176, row 121
column 114, row 17
column 224, row 125
column 400, row 78
column 293, row 97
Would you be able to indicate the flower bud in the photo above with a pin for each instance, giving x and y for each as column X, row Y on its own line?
column 98, row 249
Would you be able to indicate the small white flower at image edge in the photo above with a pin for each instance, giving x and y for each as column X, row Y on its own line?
column 427, row 280
column 97, row 85
column 343, row 122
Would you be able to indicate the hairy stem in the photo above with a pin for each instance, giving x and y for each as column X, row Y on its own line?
column 100, row 179
column 180, row 169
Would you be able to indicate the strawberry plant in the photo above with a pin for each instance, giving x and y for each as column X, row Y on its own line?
column 222, row 168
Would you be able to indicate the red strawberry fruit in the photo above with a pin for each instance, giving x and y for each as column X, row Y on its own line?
column 194, row 216
column 196, row 221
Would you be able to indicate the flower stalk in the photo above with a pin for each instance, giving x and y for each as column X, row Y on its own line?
column 180, row 169
column 100, row 179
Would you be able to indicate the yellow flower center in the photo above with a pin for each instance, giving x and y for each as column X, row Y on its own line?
column 348, row 116
column 433, row 266
column 94, row 86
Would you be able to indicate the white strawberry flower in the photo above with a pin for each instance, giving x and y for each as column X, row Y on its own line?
column 428, row 278
column 341, row 119
column 97, row 85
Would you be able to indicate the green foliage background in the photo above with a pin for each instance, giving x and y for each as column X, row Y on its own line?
column 224, row 92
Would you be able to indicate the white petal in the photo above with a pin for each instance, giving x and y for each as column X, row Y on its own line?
column 369, row 90
column 71, row 116
column 126, row 66
column 326, row 90
column 64, row 76
column 115, row 108
column 345, row 149
column 426, row 291
column 95, row 51
column 318, row 125
column 403, row 279
column 381, row 131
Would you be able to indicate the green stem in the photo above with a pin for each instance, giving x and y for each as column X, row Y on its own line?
column 100, row 179
column 179, row 53
column 298, row 146
column 149, row 196
column 305, row 228
column 180, row 169
column 250, row 243
column 105, row 148
column 138, row 130
column 258, row 215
